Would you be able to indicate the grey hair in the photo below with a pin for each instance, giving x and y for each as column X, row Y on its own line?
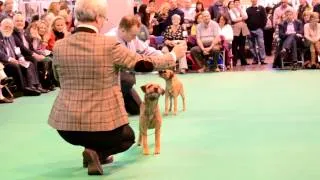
column 89, row 10
column 7, row 20
column 205, row 13
column 175, row 16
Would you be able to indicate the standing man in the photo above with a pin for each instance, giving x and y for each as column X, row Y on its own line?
column 126, row 35
column 89, row 109
column 257, row 19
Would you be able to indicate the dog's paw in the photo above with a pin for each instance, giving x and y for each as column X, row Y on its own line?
column 146, row 152
column 165, row 114
column 156, row 152
column 175, row 113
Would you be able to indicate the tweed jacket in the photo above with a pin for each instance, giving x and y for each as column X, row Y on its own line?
column 90, row 97
column 239, row 27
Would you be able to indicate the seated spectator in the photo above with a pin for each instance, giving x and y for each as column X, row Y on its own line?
column 227, row 34
column 3, row 81
column 208, row 43
column 20, row 35
column 312, row 35
column 173, row 35
column 43, row 65
column 16, row 64
column 290, row 33
column 306, row 17
column 59, row 31
column 39, row 35
column 197, row 20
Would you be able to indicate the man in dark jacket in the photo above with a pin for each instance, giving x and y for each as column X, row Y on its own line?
column 257, row 19
column 290, row 33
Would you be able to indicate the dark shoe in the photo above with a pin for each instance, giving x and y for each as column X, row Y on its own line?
column 255, row 62
column 6, row 100
column 263, row 63
column 52, row 88
column 42, row 90
column 102, row 160
column 94, row 166
column 6, row 81
column 31, row 92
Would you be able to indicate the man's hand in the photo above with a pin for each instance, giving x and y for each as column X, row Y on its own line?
column 38, row 57
column 206, row 51
column 13, row 60
column 180, row 50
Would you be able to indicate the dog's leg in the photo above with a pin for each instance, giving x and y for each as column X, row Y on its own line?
column 157, row 140
column 170, row 107
column 158, row 121
column 166, row 111
column 175, row 105
column 145, row 143
column 183, row 99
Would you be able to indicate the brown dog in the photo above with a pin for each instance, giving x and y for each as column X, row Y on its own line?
column 174, row 88
column 150, row 116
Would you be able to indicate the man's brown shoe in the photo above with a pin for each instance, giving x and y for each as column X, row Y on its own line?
column 94, row 166
column 103, row 160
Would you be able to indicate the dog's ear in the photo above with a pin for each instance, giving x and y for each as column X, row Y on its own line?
column 144, row 88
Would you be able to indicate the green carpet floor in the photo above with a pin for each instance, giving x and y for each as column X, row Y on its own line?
column 238, row 126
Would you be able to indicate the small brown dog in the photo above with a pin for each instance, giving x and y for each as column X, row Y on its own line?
column 174, row 88
column 150, row 116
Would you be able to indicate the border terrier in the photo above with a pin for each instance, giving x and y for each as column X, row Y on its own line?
column 150, row 116
column 174, row 88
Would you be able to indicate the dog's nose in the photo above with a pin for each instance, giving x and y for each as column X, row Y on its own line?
column 156, row 89
column 161, row 71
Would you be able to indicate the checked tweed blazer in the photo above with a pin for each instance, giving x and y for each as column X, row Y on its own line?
column 90, row 98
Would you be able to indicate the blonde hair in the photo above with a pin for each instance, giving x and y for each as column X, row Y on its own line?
column 55, row 20
column 314, row 16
